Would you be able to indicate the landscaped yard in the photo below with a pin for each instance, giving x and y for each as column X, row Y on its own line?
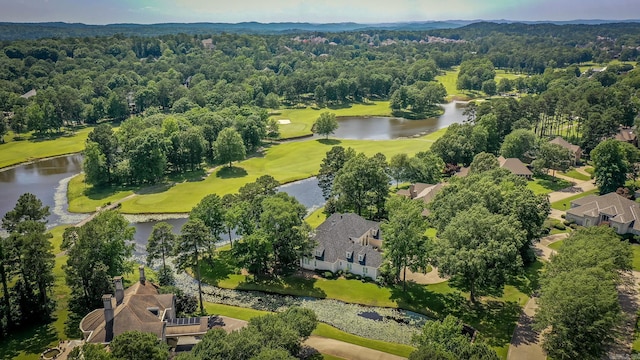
column 546, row 184
column 15, row 152
column 565, row 204
column 495, row 318
column 573, row 173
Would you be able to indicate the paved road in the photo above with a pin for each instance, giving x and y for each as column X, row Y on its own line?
column 525, row 343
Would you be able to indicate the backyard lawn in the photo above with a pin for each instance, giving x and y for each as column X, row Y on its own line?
column 316, row 218
column 565, row 204
column 495, row 318
column 546, row 184
column 573, row 173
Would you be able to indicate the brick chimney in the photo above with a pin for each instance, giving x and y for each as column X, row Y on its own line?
column 117, row 281
column 143, row 279
column 109, row 303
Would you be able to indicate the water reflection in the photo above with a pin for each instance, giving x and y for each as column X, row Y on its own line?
column 384, row 128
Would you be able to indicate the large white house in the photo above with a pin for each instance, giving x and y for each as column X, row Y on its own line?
column 613, row 210
column 347, row 242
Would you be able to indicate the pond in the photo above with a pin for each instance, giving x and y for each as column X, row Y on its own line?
column 47, row 179
column 384, row 128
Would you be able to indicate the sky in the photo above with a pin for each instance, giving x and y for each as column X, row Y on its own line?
column 316, row 11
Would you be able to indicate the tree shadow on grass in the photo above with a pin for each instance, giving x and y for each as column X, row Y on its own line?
column 553, row 184
column 231, row 172
column 31, row 341
column 495, row 320
column 223, row 266
column 103, row 192
column 154, row 189
column 189, row 176
column 529, row 282
column 331, row 142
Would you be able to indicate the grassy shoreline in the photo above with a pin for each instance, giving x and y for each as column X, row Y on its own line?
column 19, row 152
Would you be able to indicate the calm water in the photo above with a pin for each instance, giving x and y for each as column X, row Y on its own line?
column 384, row 128
column 46, row 179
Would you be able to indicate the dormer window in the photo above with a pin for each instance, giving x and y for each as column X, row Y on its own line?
column 348, row 254
column 360, row 257
column 319, row 252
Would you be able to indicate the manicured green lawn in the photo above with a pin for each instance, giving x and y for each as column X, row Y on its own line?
column 636, row 256
column 322, row 329
column 316, row 218
column 302, row 119
column 546, row 184
column 285, row 162
column 576, row 175
column 556, row 245
column 565, row 204
column 449, row 80
column 15, row 152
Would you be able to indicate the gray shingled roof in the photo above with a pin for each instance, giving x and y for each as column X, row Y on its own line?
column 514, row 165
column 619, row 208
column 340, row 233
column 565, row 144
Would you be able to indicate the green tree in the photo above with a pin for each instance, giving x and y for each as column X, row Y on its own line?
column 473, row 73
column 89, row 352
column 610, row 166
column 484, row 162
column 96, row 252
column 553, row 157
column 490, row 87
column 581, row 309
column 479, row 250
column 137, row 345
column 212, row 213
column 272, row 101
column 460, row 143
column 194, row 241
column 425, row 167
column 405, row 245
column 333, row 161
column 107, row 142
column 254, row 253
column 444, row 340
column 519, row 144
column 159, row 247
column 95, row 165
column 148, row 157
column 229, row 146
column 116, row 107
column 362, row 184
column 398, row 167
column 326, row 124
column 282, row 221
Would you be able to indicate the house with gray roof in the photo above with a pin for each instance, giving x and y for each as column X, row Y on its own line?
column 347, row 242
column 610, row 209
column 141, row 307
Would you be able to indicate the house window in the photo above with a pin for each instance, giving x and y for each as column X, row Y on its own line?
column 365, row 270
column 315, row 263
column 348, row 254
column 318, row 252
column 360, row 257
column 305, row 260
column 348, row 266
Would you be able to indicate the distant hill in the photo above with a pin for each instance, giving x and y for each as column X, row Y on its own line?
column 20, row 31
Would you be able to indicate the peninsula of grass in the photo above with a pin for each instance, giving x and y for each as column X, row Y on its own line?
column 286, row 162
column 302, row 119
column 29, row 149
column 316, row 218
column 565, row 204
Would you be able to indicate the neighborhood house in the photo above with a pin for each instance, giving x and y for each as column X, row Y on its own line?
column 611, row 209
column 347, row 242
column 515, row 166
column 140, row 307
column 421, row 191
column 575, row 150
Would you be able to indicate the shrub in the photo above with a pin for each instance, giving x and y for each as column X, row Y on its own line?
column 560, row 226
column 327, row 275
column 573, row 226
column 358, row 277
column 566, row 223
column 564, row 216
column 348, row 275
